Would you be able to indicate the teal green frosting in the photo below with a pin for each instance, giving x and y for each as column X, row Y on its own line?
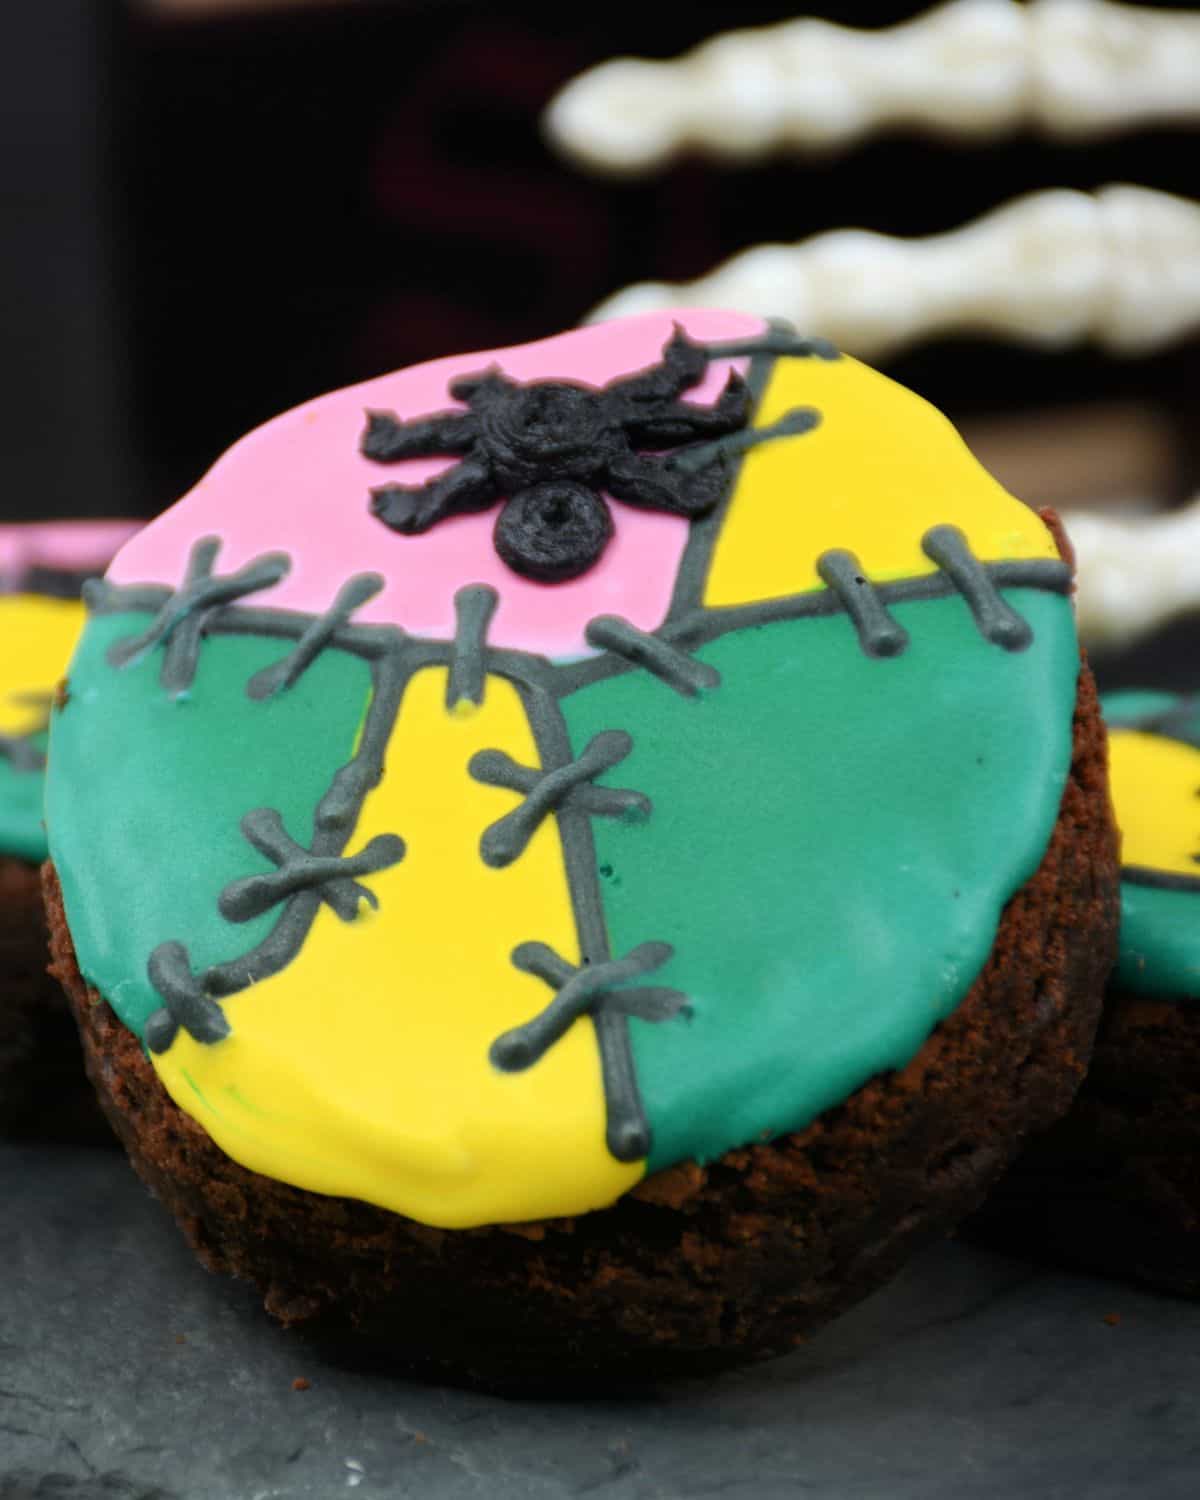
column 22, row 830
column 832, row 843
column 179, row 837
column 1160, row 941
column 1123, row 710
column 1160, row 929
column 833, row 840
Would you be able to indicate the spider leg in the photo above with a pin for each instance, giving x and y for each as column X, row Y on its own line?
column 387, row 439
column 489, row 382
column 413, row 508
column 680, row 422
column 683, row 365
column 656, row 484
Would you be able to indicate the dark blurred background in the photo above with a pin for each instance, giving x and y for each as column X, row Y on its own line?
column 215, row 210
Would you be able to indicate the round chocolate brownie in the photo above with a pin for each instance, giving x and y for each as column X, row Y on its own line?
column 1115, row 1185
column 43, row 1091
column 592, row 853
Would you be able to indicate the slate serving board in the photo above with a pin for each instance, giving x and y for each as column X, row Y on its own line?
column 128, row 1373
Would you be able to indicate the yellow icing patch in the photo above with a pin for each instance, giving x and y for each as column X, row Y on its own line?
column 401, row 1006
column 1156, row 793
column 882, row 467
column 39, row 635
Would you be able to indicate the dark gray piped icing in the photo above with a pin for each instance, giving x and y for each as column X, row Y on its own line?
column 779, row 340
column 1177, row 722
column 1162, row 880
column 187, row 1003
column 281, row 675
column 185, row 614
column 699, row 456
column 666, row 661
column 878, row 633
column 21, row 753
column 998, row 622
column 474, row 607
column 627, row 1129
column 579, row 991
column 546, row 790
column 299, row 869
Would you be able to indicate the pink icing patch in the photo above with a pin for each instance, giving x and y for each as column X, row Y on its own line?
column 299, row 485
column 73, row 546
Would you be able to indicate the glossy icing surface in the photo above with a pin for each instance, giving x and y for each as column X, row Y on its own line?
column 1154, row 761
column 37, row 634
column 289, row 504
column 886, row 467
column 484, row 917
column 745, row 844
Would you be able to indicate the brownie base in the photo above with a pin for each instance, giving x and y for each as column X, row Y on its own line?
column 1114, row 1186
column 44, row 1092
column 697, row 1268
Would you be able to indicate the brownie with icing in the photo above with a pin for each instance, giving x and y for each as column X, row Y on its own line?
column 1115, row 1185
column 531, row 776
column 42, row 568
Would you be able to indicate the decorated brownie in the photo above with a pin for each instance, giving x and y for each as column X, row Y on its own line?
column 585, row 851
column 1115, row 1185
column 42, row 568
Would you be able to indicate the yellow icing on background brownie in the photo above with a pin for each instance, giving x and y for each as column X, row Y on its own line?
column 39, row 635
column 881, row 469
column 402, row 1006
column 1155, row 785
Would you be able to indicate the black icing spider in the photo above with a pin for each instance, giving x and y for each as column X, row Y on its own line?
column 551, row 446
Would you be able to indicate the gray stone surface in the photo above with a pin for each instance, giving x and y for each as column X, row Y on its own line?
column 127, row 1373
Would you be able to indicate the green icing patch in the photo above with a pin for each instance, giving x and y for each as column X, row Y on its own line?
column 1160, row 929
column 1124, row 710
column 832, row 841
column 22, row 830
column 147, row 793
column 1160, row 941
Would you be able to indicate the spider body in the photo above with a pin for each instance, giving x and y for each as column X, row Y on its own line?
column 550, row 450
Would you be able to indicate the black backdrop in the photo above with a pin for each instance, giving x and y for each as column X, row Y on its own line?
column 212, row 221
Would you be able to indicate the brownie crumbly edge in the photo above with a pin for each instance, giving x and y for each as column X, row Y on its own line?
column 698, row 1267
column 44, row 1094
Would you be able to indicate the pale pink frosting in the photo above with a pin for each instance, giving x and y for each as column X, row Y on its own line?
column 299, row 485
column 73, row 546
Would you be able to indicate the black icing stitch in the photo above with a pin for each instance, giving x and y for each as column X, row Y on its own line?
column 20, row 750
column 590, row 989
column 21, row 753
column 474, row 607
column 185, row 614
column 547, row 790
column 627, row 1129
column 1180, row 721
column 549, row 447
column 878, row 633
column 998, row 622
column 698, row 456
column 188, row 1005
column 666, row 661
column 54, row 583
column 779, row 340
column 300, row 869
column 1163, row 880
column 283, row 674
